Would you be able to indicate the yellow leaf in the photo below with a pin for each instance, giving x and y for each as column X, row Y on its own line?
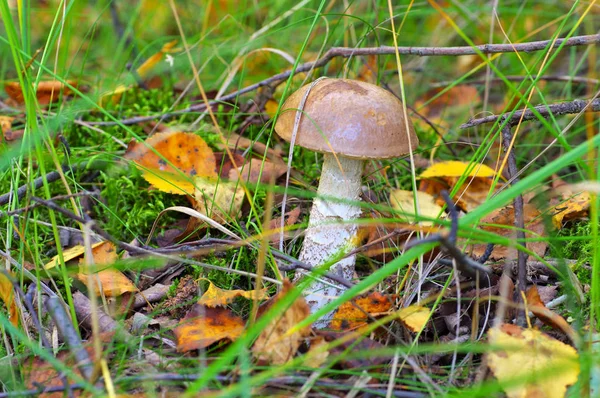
column 271, row 107
column 214, row 297
column 403, row 202
column 415, row 317
column 151, row 62
column 533, row 363
column 109, row 281
column 575, row 206
column 203, row 326
column 454, row 168
column 69, row 254
column 6, row 123
column 219, row 200
column 171, row 160
column 7, row 294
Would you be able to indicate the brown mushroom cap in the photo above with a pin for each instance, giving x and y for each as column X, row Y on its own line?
column 350, row 118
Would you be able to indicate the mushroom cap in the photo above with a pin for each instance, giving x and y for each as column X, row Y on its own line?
column 350, row 118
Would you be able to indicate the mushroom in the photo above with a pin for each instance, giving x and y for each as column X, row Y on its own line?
column 348, row 121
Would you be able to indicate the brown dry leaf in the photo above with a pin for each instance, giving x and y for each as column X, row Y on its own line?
column 203, row 326
column 188, row 154
column 291, row 217
column 506, row 217
column 277, row 343
column 257, row 171
column 7, row 294
column 403, row 202
column 415, row 317
column 353, row 314
column 533, row 364
column 455, row 101
column 219, row 200
column 317, row 353
column 38, row 372
column 549, row 318
column 214, row 297
column 109, row 281
column 47, row 91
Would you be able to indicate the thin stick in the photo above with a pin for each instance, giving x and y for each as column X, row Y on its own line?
column 519, row 222
column 345, row 52
column 563, row 108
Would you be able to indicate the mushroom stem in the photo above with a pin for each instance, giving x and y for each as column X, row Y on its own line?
column 329, row 233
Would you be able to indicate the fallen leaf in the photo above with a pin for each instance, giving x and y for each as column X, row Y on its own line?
column 317, row 353
column 37, row 372
column 455, row 168
column 505, row 217
column 277, row 344
column 69, row 254
column 448, row 103
column 171, row 160
column 6, row 125
column 532, row 364
column 47, row 91
column 219, row 200
column 109, row 281
column 549, row 318
column 257, row 171
column 355, row 314
column 572, row 206
column 203, row 326
column 214, row 297
column 7, row 294
column 271, row 107
column 415, row 317
column 291, row 217
column 403, row 202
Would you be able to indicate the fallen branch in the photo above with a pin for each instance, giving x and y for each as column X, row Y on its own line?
column 563, row 108
column 345, row 52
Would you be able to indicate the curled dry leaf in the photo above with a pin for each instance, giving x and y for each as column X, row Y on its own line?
column 549, row 318
column 70, row 254
column 258, row 171
column 6, row 127
column 404, row 202
column 214, row 297
column 291, row 217
column 505, row 218
column 355, row 314
column 573, row 204
column 203, row 326
column 549, row 365
column 47, row 91
column 278, row 343
column 171, row 160
column 7, row 294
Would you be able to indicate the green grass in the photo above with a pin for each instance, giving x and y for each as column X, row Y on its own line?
column 226, row 45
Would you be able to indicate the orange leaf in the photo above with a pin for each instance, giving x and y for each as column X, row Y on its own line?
column 47, row 91
column 7, row 294
column 353, row 314
column 549, row 318
column 279, row 341
column 151, row 62
column 214, row 297
column 203, row 326
column 164, row 156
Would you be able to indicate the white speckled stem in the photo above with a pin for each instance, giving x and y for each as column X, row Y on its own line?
column 329, row 234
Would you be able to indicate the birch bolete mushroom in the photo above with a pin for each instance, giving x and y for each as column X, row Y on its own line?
column 349, row 122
